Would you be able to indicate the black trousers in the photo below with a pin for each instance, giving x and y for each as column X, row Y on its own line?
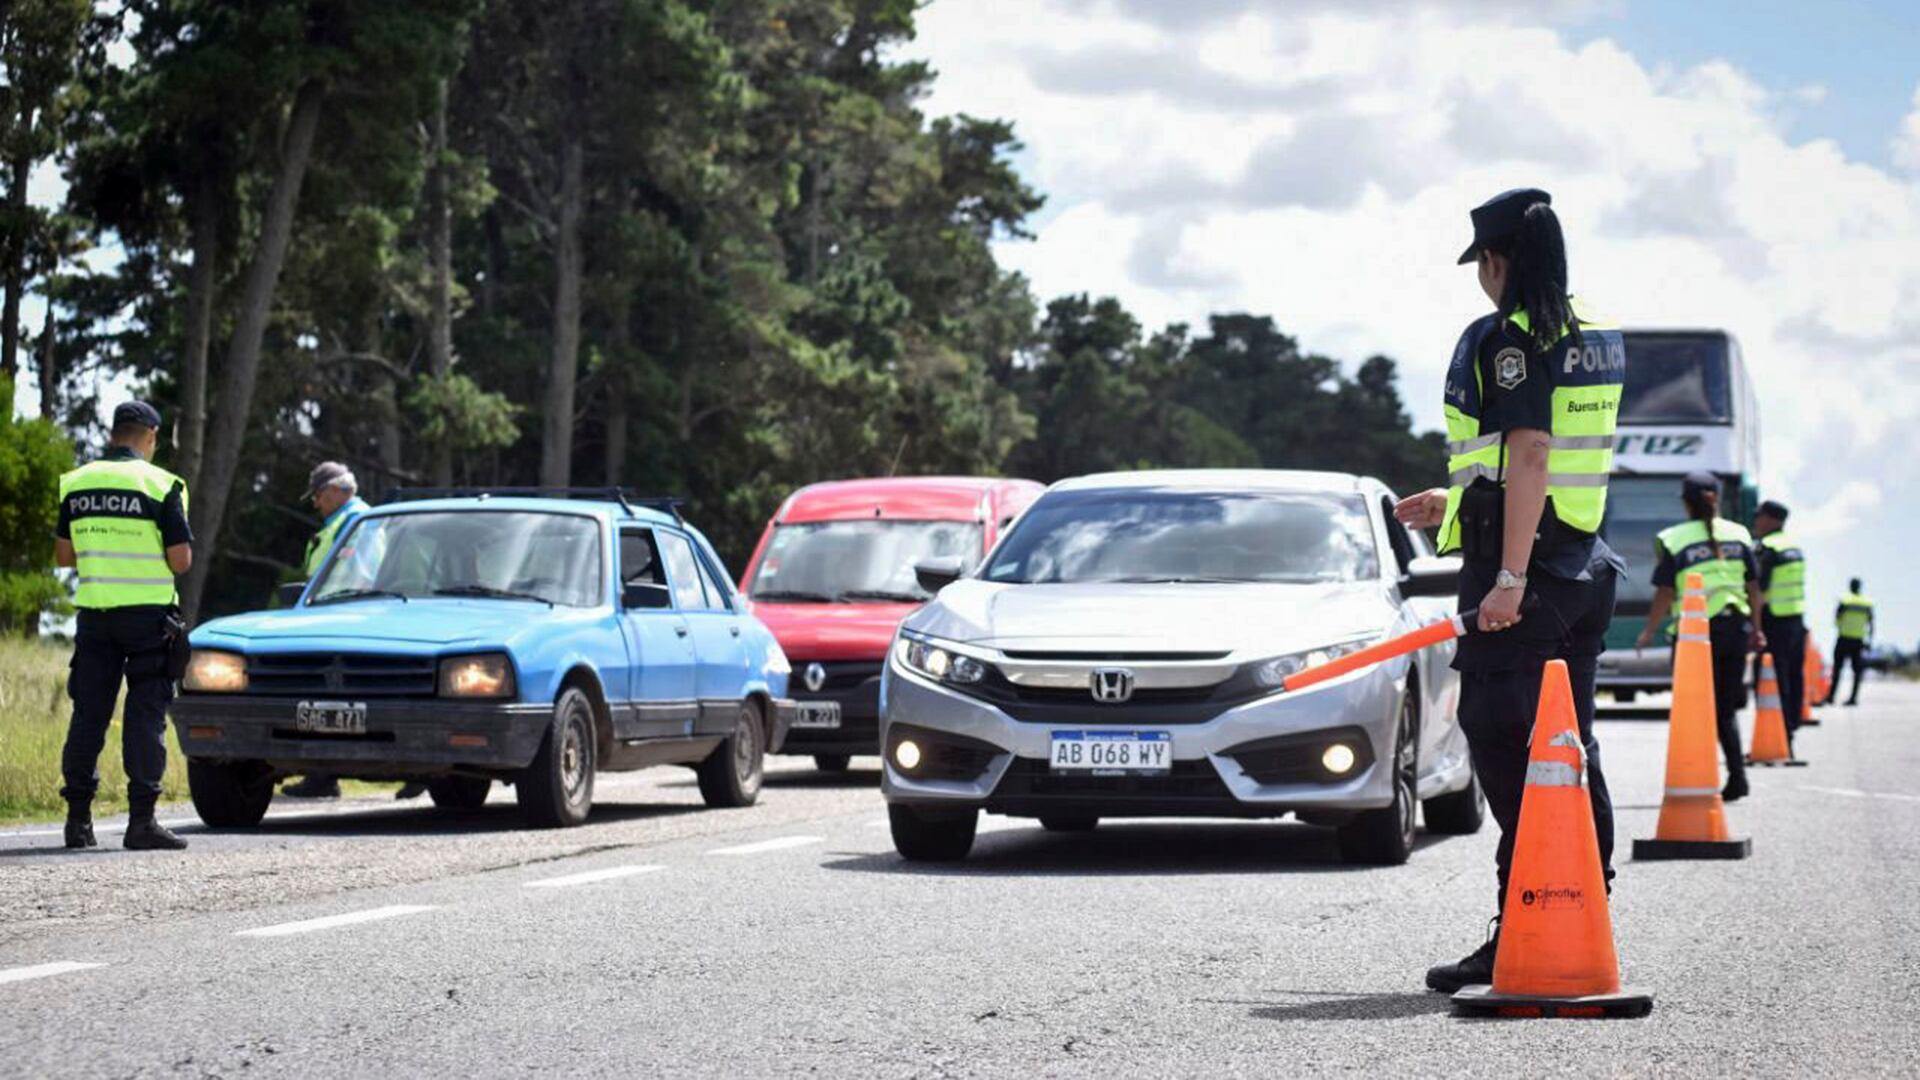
column 111, row 645
column 1847, row 651
column 1500, row 675
column 1787, row 641
column 1730, row 634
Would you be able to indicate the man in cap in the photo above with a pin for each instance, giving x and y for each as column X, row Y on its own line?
column 123, row 527
column 335, row 493
column 1783, row 588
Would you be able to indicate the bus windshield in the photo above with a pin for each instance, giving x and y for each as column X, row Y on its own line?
column 1638, row 507
column 1676, row 379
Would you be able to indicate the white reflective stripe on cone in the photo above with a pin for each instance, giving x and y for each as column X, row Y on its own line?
column 1693, row 792
column 1552, row 774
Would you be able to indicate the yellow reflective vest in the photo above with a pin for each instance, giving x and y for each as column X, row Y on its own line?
column 1786, row 577
column 113, row 509
column 1722, row 561
column 1855, row 616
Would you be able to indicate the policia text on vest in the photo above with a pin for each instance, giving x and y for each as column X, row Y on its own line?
column 123, row 527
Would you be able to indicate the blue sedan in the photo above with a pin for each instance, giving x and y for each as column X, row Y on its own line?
column 464, row 640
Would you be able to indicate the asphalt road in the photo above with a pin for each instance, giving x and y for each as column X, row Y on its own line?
column 663, row 939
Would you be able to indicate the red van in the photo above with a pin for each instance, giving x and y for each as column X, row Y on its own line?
column 833, row 577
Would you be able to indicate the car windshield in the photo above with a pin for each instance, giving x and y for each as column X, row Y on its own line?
column 521, row 556
column 863, row 560
column 1168, row 535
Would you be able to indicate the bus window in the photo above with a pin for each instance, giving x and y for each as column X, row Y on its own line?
column 1676, row 379
column 1638, row 507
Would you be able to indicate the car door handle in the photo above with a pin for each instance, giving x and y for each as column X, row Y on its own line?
column 734, row 630
column 680, row 630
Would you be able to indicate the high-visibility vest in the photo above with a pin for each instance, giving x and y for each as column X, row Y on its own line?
column 1856, row 612
column 322, row 541
column 1587, row 373
column 1787, row 582
column 1722, row 561
column 113, row 512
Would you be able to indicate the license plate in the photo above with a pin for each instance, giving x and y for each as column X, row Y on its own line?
column 818, row 714
column 331, row 717
column 1112, row 753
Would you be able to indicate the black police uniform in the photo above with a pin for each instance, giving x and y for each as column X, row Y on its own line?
column 1786, row 641
column 1729, row 633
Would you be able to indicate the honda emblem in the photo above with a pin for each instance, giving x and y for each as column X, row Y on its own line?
column 1112, row 685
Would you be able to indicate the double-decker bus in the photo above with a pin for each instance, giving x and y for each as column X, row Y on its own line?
column 1687, row 405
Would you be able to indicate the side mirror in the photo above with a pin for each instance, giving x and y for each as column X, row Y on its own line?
column 1431, row 575
column 936, row 574
column 287, row 595
column 645, row 596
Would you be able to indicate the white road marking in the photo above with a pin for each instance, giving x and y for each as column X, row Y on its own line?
column 778, row 843
column 1856, row 793
column 588, row 877
column 307, row 926
column 171, row 823
column 41, row 971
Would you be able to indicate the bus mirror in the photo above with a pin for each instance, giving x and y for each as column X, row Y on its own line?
column 1431, row 575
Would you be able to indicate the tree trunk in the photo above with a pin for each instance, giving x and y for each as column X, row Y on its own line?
column 556, row 434
column 15, row 250
column 190, row 435
column 243, row 351
column 440, row 324
column 49, row 369
column 619, row 355
column 386, row 399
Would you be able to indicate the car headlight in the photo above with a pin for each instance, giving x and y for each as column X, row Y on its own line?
column 211, row 671
column 487, row 675
column 937, row 662
column 1272, row 673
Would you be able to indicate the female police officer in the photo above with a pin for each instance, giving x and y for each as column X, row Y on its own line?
column 1531, row 398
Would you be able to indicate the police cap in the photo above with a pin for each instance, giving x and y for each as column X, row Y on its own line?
column 1698, row 482
column 1773, row 510
column 136, row 412
column 1500, row 217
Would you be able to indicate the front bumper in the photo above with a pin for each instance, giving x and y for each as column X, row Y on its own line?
column 1207, row 779
column 405, row 737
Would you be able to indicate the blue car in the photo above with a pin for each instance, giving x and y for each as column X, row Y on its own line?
column 467, row 639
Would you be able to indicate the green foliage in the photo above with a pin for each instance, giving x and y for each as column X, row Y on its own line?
column 33, row 454
column 456, row 410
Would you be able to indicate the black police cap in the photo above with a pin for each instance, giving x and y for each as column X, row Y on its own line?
column 1700, row 481
column 136, row 412
column 1773, row 510
column 1499, row 217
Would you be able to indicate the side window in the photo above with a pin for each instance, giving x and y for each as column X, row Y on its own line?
column 717, row 595
column 1397, row 535
column 640, row 559
column 684, row 571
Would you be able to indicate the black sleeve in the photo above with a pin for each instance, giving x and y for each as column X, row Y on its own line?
column 1753, row 565
column 173, row 518
column 1665, row 570
column 63, row 528
column 1763, row 558
column 1517, row 382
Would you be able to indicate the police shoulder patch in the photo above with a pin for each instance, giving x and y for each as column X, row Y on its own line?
column 1509, row 368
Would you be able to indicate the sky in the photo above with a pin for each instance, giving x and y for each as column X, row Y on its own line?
column 1752, row 166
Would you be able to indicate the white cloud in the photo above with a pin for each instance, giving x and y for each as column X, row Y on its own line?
column 1906, row 144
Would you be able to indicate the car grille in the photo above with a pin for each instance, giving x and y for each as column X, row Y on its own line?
column 842, row 675
column 328, row 674
column 1076, row 705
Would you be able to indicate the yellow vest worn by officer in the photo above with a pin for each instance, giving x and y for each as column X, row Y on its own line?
column 1787, row 580
column 1585, row 374
column 322, row 541
column 113, row 509
column 1856, row 615
column 1721, row 560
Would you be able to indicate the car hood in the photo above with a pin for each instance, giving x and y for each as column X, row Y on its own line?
column 1239, row 617
column 428, row 622
column 833, row 631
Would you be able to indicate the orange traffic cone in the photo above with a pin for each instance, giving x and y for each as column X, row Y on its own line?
column 1769, row 723
column 1556, row 953
column 1693, row 820
column 1814, row 681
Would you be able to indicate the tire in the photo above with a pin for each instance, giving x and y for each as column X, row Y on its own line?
column 1072, row 823
column 1458, row 813
column 229, row 796
column 940, row 836
column 731, row 775
column 459, row 792
column 1625, row 697
column 832, row 763
column 556, row 791
column 1384, row 837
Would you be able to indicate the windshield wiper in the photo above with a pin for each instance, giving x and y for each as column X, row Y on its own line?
column 355, row 594
column 491, row 592
column 1170, row 580
column 882, row 594
column 796, row 595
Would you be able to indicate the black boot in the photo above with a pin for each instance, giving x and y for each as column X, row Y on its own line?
column 146, row 834
column 1476, row 969
column 313, row 786
column 80, row 825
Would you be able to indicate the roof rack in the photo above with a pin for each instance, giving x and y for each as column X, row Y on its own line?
column 669, row 504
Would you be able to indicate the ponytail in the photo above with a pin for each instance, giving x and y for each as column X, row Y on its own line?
column 1704, row 506
column 1537, row 277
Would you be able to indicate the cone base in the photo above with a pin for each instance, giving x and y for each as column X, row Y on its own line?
column 1809, row 723
column 1790, row 763
column 1630, row 1001
column 1649, row 850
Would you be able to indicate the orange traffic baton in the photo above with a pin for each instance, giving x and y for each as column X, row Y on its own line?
column 1770, row 746
column 1448, row 629
column 1693, row 820
column 1556, row 955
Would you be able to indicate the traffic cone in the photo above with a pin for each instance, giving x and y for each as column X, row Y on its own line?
column 1770, row 745
column 1814, row 680
column 1556, row 953
column 1693, row 820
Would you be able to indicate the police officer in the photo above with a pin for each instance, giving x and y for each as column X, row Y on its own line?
column 335, row 493
column 1853, row 619
column 1783, row 584
column 1721, row 552
column 123, row 526
column 1531, row 398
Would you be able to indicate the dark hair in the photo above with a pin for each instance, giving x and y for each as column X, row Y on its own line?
column 1703, row 504
column 1536, row 255
column 1854, row 585
column 128, row 432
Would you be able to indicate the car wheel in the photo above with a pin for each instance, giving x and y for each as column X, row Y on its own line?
column 1625, row 697
column 230, row 795
column 932, row 835
column 459, row 792
column 1458, row 813
column 833, row 763
column 730, row 776
column 556, row 791
column 1069, row 823
column 1384, row 837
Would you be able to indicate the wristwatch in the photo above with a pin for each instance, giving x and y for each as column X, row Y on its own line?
column 1507, row 579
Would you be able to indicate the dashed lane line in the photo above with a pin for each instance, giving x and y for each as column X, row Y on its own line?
column 1856, row 793
column 307, row 926
column 41, row 971
column 588, row 877
column 778, row 843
